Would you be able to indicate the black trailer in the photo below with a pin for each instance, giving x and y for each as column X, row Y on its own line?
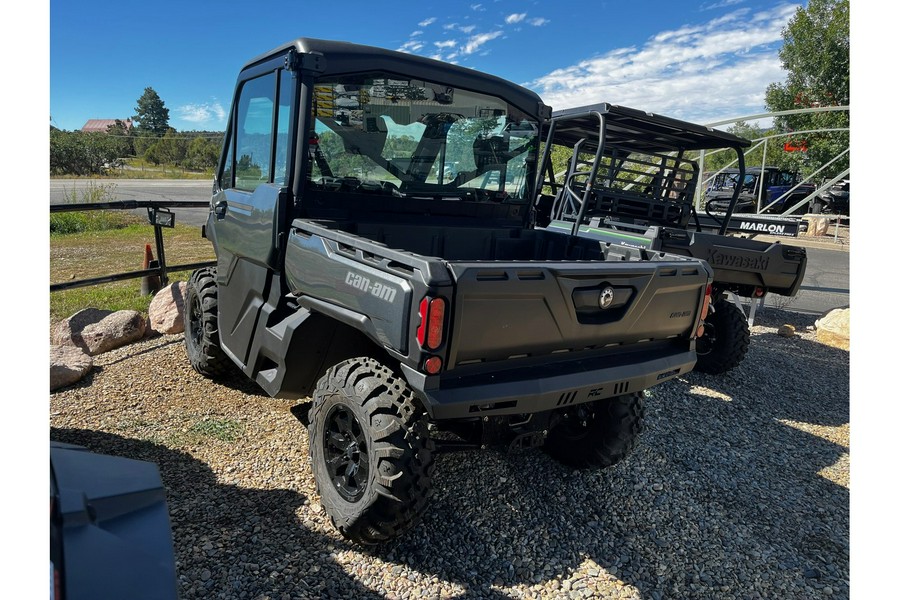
column 632, row 179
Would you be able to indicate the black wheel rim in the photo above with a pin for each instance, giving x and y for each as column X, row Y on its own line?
column 196, row 321
column 346, row 453
column 577, row 423
column 706, row 341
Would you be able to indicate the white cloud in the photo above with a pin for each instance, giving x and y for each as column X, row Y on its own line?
column 538, row 21
column 467, row 29
column 446, row 44
column 476, row 41
column 722, row 4
column 202, row 113
column 411, row 46
column 477, row 7
column 418, row 32
column 515, row 18
column 699, row 72
column 427, row 22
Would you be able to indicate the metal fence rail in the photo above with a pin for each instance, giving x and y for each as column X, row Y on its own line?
column 159, row 214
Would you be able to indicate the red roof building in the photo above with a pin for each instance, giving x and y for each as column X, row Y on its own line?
column 102, row 125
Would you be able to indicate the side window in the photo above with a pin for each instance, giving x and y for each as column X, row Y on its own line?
column 227, row 172
column 282, row 131
column 253, row 139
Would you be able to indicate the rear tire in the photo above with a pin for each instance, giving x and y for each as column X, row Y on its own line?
column 725, row 340
column 371, row 454
column 816, row 208
column 599, row 434
column 201, row 327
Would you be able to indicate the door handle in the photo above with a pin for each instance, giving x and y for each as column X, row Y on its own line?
column 220, row 208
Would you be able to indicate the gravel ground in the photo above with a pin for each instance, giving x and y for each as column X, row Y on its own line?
column 738, row 488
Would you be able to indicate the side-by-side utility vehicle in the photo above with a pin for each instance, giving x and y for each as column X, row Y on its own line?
column 631, row 179
column 373, row 224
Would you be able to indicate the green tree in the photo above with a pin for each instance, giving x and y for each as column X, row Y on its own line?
column 202, row 154
column 172, row 148
column 79, row 153
column 816, row 56
column 123, row 136
column 152, row 115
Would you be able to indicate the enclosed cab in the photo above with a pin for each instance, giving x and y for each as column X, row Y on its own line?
column 770, row 190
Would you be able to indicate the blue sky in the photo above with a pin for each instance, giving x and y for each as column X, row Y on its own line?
column 701, row 61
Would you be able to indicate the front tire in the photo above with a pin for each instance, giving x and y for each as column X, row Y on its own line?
column 201, row 326
column 725, row 339
column 599, row 434
column 371, row 454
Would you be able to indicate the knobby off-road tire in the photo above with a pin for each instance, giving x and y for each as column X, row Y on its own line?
column 599, row 434
column 371, row 454
column 201, row 326
column 725, row 339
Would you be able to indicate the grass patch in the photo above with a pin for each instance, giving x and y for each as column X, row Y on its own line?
column 138, row 168
column 224, row 430
column 97, row 253
column 173, row 436
column 67, row 223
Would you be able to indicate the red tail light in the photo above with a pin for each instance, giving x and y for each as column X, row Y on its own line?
column 704, row 311
column 430, row 333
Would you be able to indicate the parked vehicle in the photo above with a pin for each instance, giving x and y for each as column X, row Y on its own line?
column 780, row 190
column 631, row 180
column 834, row 200
column 350, row 267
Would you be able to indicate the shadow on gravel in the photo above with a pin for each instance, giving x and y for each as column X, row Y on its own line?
column 225, row 529
column 720, row 499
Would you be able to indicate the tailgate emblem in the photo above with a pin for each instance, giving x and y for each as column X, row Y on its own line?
column 606, row 297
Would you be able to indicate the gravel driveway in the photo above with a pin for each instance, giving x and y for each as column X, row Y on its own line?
column 739, row 488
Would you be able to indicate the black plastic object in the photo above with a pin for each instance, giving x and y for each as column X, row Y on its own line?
column 110, row 531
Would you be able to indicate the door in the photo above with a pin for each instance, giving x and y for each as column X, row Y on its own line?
column 250, row 204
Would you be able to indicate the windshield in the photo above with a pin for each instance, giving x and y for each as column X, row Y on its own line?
column 376, row 132
column 729, row 181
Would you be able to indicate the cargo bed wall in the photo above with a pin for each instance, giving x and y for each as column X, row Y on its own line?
column 489, row 244
column 745, row 264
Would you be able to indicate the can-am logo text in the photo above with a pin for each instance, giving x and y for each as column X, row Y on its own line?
column 364, row 284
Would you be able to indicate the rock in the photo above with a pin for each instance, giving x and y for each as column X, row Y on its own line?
column 834, row 328
column 786, row 331
column 166, row 312
column 816, row 226
column 68, row 364
column 96, row 331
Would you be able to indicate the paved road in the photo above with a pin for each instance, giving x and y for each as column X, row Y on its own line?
column 826, row 285
column 63, row 190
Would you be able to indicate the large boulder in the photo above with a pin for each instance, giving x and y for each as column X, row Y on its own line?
column 96, row 331
column 834, row 328
column 68, row 364
column 166, row 310
column 816, row 225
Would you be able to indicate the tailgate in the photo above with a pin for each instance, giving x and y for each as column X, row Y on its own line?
column 513, row 310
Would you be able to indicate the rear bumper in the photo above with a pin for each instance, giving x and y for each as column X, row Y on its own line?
column 532, row 388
